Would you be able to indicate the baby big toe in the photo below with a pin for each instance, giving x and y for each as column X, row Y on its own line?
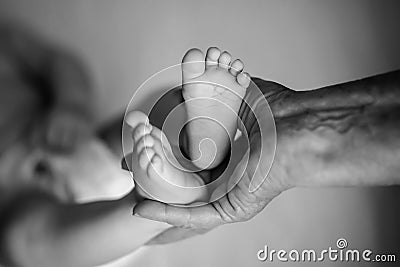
column 134, row 118
column 192, row 64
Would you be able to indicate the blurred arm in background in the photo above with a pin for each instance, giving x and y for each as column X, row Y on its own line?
column 39, row 231
column 45, row 92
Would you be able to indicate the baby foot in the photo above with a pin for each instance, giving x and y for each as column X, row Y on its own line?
column 155, row 169
column 213, row 89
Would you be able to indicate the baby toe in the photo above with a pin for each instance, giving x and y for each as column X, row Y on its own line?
column 236, row 67
column 134, row 118
column 145, row 141
column 243, row 79
column 140, row 131
column 224, row 60
column 161, row 137
column 212, row 56
column 155, row 168
column 192, row 64
column 145, row 157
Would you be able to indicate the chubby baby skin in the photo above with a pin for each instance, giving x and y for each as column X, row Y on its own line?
column 157, row 174
column 213, row 89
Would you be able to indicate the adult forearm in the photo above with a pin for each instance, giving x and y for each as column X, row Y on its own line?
column 347, row 134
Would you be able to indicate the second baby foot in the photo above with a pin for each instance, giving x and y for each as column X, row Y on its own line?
column 159, row 178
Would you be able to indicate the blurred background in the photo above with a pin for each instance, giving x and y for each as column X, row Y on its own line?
column 302, row 44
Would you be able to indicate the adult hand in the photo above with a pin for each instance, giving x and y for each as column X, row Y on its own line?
column 239, row 204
